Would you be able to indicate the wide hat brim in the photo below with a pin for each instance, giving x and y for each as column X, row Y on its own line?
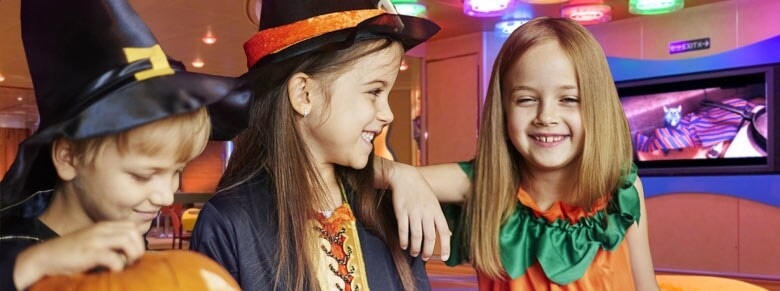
column 410, row 31
column 135, row 104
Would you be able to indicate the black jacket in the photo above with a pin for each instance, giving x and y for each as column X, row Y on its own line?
column 20, row 229
column 238, row 229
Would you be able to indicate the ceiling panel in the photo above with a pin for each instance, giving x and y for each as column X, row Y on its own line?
column 179, row 25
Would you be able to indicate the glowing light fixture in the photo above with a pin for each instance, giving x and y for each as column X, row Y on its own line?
column 486, row 8
column 404, row 65
column 198, row 63
column 520, row 14
column 413, row 9
column 209, row 38
column 587, row 12
column 506, row 27
column 543, row 1
column 650, row 7
column 2, row 78
column 409, row 7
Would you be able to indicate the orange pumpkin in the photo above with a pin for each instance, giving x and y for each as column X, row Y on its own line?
column 166, row 270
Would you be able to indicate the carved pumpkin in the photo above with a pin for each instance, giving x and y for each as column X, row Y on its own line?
column 165, row 270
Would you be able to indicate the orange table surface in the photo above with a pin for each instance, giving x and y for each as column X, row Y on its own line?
column 708, row 283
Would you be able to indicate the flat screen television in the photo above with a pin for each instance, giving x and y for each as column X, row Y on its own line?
column 720, row 122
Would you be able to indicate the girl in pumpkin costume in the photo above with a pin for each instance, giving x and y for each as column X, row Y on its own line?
column 556, row 203
column 296, row 208
column 118, row 122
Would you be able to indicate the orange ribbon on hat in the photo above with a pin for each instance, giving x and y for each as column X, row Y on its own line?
column 273, row 40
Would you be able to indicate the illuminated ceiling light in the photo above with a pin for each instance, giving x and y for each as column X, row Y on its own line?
column 588, row 12
column 404, row 64
column 2, row 78
column 543, row 1
column 486, row 8
column 506, row 27
column 413, row 9
column 198, row 63
column 19, row 98
column 650, row 7
column 209, row 38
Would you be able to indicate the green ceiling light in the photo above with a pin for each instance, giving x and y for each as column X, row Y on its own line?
column 409, row 7
column 650, row 7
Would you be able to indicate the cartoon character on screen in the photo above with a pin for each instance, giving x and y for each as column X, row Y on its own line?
column 672, row 116
column 675, row 134
column 118, row 123
column 672, row 136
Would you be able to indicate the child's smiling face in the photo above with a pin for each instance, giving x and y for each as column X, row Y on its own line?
column 128, row 176
column 123, row 186
column 542, row 104
column 342, row 131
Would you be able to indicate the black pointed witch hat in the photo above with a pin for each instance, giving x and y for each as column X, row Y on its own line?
column 289, row 28
column 97, row 70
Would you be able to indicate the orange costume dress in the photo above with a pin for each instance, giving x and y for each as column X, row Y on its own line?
column 564, row 247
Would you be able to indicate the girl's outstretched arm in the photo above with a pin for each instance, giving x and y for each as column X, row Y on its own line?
column 639, row 248
column 448, row 182
column 416, row 195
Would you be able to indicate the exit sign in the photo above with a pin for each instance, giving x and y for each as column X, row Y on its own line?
column 689, row 45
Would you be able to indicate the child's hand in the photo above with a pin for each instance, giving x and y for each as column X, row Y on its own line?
column 419, row 214
column 110, row 244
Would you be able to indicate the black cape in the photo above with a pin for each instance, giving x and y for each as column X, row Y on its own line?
column 238, row 229
column 19, row 230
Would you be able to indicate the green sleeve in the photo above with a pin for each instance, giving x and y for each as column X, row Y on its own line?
column 459, row 252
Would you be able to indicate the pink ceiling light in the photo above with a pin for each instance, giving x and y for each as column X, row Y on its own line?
column 486, row 8
column 587, row 12
column 543, row 1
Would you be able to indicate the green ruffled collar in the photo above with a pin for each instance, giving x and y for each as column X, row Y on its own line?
column 564, row 250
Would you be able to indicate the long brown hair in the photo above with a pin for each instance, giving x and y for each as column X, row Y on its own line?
column 272, row 144
column 606, row 155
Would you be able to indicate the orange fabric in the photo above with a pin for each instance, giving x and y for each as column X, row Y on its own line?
column 609, row 271
column 702, row 283
column 559, row 209
column 342, row 253
column 333, row 224
column 273, row 40
column 11, row 138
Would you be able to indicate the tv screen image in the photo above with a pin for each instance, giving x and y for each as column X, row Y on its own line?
column 715, row 122
column 710, row 123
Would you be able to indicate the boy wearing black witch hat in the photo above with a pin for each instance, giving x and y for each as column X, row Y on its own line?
column 118, row 124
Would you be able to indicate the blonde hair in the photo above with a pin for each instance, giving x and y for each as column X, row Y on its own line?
column 606, row 156
column 188, row 133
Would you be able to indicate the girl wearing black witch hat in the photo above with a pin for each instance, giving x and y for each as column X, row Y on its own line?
column 118, row 124
column 296, row 208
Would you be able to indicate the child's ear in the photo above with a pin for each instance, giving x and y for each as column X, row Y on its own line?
column 298, row 90
column 62, row 156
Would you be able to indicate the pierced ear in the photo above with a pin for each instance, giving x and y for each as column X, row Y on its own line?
column 62, row 156
column 298, row 90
